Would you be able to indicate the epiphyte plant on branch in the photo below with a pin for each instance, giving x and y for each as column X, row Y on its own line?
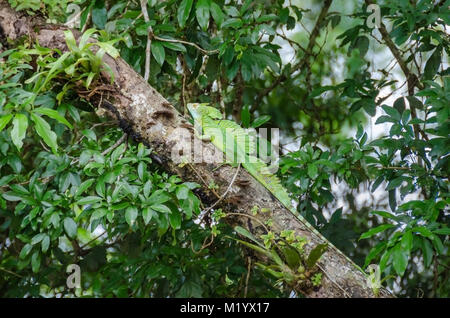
column 77, row 68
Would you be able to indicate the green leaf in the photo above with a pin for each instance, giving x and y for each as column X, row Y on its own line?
column 385, row 259
column 158, row 197
column 376, row 230
column 83, row 187
column 232, row 23
column 395, row 183
column 163, row 224
column 392, row 199
column 85, row 38
column 98, row 214
column 202, row 13
column 120, row 206
column 89, row 200
column 43, row 129
column 374, row 252
column 148, row 214
column 11, row 196
column 175, row 219
column 109, row 48
column 25, row 251
column 433, row 64
column 70, row 227
column 161, row 208
column 147, row 188
column 315, row 254
column 37, row 238
column 392, row 112
column 158, row 52
column 35, row 261
column 182, row 192
column 131, row 215
column 57, row 66
column 385, row 215
column 292, row 257
column 6, row 179
column 400, row 259
column 4, row 121
column 443, row 231
column 70, row 41
column 175, row 46
column 20, row 125
column 45, row 243
column 437, row 243
column 53, row 114
column 245, row 116
column 422, row 230
column 313, row 171
column 99, row 14
column 247, row 234
column 414, row 102
column 89, row 79
column 319, row 90
column 362, row 44
column 184, row 10
column 399, row 105
column 427, row 251
column 217, row 13
column 407, row 241
column 384, row 119
column 141, row 170
column 260, row 121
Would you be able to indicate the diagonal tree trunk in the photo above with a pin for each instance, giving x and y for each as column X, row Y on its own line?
column 144, row 114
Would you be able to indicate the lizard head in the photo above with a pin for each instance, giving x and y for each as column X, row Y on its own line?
column 198, row 110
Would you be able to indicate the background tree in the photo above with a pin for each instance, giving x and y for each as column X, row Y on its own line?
column 74, row 189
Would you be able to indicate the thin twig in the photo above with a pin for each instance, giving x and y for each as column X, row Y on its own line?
column 108, row 150
column 205, row 212
column 94, row 239
column 115, row 145
column 249, row 268
column 12, row 273
column 204, row 245
column 206, row 52
column 290, row 41
column 331, row 280
column 43, row 146
column 220, row 96
column 203, row 180
column 149, row 40
column 250, row 217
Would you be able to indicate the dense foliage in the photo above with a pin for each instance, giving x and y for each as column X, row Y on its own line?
column 75, row 190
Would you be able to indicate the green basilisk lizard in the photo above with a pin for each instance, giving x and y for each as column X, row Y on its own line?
column 210, row 125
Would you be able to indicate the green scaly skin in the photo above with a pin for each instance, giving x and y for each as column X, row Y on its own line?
column 208, row 120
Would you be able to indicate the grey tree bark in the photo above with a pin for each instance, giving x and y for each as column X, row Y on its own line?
column 147, row 116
